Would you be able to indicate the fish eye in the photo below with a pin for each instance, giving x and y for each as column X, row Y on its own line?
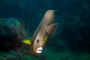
column 37, row 41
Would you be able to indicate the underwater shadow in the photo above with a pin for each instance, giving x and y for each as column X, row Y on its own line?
column 54, row 45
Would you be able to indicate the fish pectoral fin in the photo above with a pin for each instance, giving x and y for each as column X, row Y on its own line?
column 51, row 29
column 45, row 38
column 26, row 41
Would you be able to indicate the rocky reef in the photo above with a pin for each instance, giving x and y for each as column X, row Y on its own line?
column 11, row 35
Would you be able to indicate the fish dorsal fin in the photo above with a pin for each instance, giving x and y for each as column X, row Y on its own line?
column 51, row 28
column 48, row 17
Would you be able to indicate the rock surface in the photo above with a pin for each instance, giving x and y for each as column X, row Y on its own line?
column 11, row 34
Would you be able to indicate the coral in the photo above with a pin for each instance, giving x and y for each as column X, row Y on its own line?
column 11, row 34
column 12, row 55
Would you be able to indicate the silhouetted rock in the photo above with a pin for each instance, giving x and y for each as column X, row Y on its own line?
column 11, row 34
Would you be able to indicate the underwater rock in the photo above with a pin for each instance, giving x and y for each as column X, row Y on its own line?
column 11, row 34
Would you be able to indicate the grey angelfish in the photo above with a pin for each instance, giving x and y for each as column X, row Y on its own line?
column 40, row 35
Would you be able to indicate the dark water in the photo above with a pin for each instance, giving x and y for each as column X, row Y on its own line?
column 71, row 40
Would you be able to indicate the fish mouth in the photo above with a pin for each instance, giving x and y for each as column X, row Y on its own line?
column 39, row 50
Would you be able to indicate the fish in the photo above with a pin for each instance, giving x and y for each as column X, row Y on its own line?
column 44, row 29
column 27, row 41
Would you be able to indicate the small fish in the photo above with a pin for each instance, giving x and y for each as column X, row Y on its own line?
column 40, row 35
column 27, row 41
